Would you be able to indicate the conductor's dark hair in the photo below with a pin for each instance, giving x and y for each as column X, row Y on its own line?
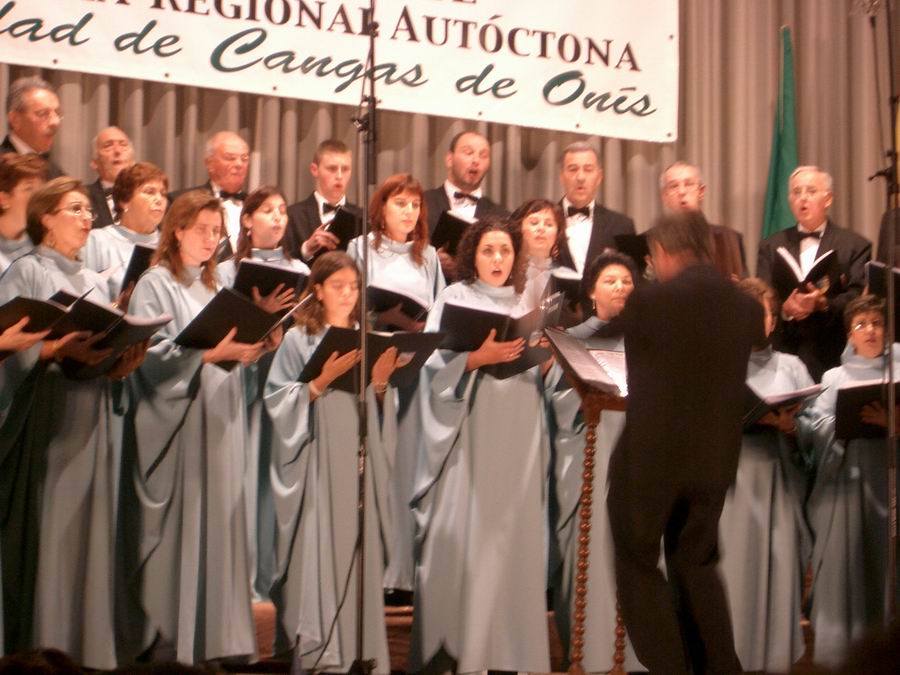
column 46, row 200
column 535, row 206
column 600, row 263
column 39, row 662
column 468, row 247
column 864, row 304
column 455, row 140
column 685, row 233
column 312, row 315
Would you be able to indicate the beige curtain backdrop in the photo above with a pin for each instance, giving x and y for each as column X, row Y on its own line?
column 730, row 52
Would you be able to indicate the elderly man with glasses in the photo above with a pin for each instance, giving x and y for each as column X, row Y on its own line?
column 33, row 116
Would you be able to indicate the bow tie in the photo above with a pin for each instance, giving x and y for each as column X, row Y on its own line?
column 238, row 196
column 575, row 210
column 107, row 192
column 328, row 208
column 459, row 196
column 812, row 235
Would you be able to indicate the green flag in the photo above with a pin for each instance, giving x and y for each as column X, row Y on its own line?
column 783, row 161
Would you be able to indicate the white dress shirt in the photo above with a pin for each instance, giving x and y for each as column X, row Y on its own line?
column 461, row 205
column 578, row 234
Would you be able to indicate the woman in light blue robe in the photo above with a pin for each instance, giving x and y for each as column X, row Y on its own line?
column 479, row 499
column 315, row 475
column 263, row 223
column 402, row 260
column 848, row 506
column 140, row 195
column 610, row 280
column 20, row 176
column 60, row 452
column 543, row 228
column 187, row 455
column 762, row 532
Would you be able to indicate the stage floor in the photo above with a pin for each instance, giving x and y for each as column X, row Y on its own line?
column 399, row 624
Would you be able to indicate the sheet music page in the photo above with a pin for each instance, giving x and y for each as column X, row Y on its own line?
column 614, row 365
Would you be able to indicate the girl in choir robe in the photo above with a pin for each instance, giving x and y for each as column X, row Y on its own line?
column 479, row 500
column 314, row 475
column 608, row 281
column 848, row 505
column 543, row 227
column 60, row 452
column 140, row 198
column 402, row 260
column 263, row 223
column 187, row 454
column 20, row 176
column 762, row 530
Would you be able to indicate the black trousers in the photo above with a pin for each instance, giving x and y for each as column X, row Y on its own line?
column 680, row 625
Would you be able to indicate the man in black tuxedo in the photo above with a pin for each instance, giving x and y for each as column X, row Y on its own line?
column 467, row 160
column 112, row 153
column 682, row 189
column 812, row 320
column 687, row 344
column 227, row 159
column 331, row 168
column 33, row 116
column 590, row 226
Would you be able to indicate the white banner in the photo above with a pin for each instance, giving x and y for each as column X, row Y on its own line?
column 605, row 67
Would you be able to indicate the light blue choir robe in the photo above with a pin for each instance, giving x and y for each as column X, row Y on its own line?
column 257, row 485
column 314, row 478
column 10, row 249
column 537, row 280
column 108, row 251
column 848, row 511
column 480, row 504
column 60, row 447
column 762, row 531
column 188, row 460
column 391, row 266
column 568, row 432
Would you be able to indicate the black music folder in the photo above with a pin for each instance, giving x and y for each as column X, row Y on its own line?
column 266, row 276
column 345, row 226
column 851, row 399
column 382, row 299
column 228, row 309
column 43, row 314
column 139, row 262
column 450, row 228
column 413, row 349
column 756, row 405
column 787, row 274
column 598, row 369
column 467, row 328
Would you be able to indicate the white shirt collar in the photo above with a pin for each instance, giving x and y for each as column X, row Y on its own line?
column 21, row 146
column 566, row 204
column 450, row 189
column 320, row 200
column 820, row 228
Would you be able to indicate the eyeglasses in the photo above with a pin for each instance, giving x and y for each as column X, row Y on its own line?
column 79, row 211
column 46, row 114
column 877, row 324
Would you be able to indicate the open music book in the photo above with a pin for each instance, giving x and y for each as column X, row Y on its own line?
column 600, row 369
column 756, row 405
column 851, row 399
column 787, row 273
column 265, row 277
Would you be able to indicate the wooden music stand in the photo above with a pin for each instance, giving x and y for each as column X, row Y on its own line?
column 594, row 401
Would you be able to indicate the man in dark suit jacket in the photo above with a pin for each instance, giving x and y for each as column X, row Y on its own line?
column 331, row 168
column 812, row 324
column 113, row 152
column 682, row 189
column 687, row 344
column 590, row 226
column 467, row 160
column 33, row 117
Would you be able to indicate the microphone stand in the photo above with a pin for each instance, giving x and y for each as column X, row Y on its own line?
column 890, row 174
column 366, row 126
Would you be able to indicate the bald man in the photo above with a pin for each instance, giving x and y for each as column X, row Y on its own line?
column 227, row 159
column 113, row 152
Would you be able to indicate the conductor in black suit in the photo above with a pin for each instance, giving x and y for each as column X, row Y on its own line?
column 467, row 160
column 33, row 116
column 331, row 168
column 590, row 226
column 811, row 323
column 687, row 344
column 113, row 152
